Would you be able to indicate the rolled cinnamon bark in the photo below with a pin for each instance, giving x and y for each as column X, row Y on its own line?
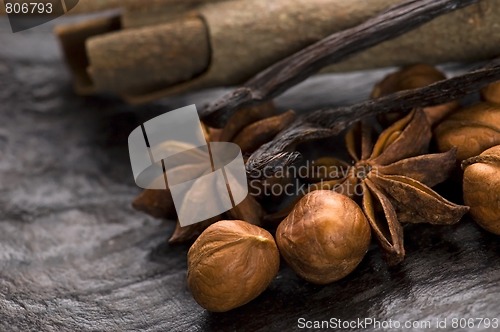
column 246, row 36
column 137, row 61
column 73, row 38
column 239, row 38
column 160, row 11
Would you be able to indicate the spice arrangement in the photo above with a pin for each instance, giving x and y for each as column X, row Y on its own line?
column 362, row 222
column 384, row 182
column 327, row 232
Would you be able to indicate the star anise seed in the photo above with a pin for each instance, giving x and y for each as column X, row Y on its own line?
column 395, row 178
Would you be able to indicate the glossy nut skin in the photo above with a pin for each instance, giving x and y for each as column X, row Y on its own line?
column 491, row 93
column 325, row 237
column 482, row 189
column 408, row 78
column 472, row 130
column 230, row 264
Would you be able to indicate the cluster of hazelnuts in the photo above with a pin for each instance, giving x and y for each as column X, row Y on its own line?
column 323, row 239
column 326, row 235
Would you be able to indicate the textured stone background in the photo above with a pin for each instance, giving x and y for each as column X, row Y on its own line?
column 75, row 256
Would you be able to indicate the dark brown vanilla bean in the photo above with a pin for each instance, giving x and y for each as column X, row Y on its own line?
column 294, row 69
column 329, row 122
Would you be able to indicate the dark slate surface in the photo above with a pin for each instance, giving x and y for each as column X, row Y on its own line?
column 75, row 256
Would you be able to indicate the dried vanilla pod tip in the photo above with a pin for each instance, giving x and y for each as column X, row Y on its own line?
column 491, row 93
column 471, row 129
column 231, row 263
column 481, row 188
column 408, row 78
column 325, row 237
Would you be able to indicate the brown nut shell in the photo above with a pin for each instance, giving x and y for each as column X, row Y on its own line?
column 472, row 130
column 491, row 93
column 325, row 237
column 231, row 263
column 408, row 78
column 482, row 189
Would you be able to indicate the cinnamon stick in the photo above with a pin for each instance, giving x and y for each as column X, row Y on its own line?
column 294, row 69
column 160, row 12
column 246, row 36
column 323, row 123
column 73, row 38
column 139, row 61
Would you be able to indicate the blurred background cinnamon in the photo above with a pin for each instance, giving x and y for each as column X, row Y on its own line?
column 155, row 48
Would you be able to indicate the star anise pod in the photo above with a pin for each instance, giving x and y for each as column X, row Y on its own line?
column 249, row 128
column 391, row 180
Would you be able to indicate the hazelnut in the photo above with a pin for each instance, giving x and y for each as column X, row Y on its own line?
column 472, row 130
column 482, row 188
column 325, row 237
column 408, row 78
column 230, row 264
column 491, row 93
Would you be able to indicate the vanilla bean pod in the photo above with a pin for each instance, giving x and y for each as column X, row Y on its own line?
column 329, row 122
column 294, row 69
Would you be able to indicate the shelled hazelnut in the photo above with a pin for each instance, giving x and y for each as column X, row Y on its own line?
column 482, row 188
column 231, row 263
column 472, row 130
column 325, row 237
column 491, row 93
column 412, row 77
